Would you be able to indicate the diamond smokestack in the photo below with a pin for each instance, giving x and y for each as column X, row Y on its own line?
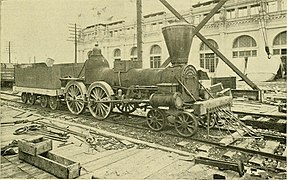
column 178, row 39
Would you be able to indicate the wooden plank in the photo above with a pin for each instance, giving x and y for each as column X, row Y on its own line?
column 204, row 148
column 258, row 160
column 68, row 151
column 263, row 119
column 10, row 170
column 5, row 140
column 174, row 170
column 86, row 158
column 151, row 167
column 105, row 133
column 232, row 137
column 45, row 176
column 4, row 160
column 183, row 143
column 20, row 175
column 32, row 170
column 105, row 161
column 244, row 143
column 270, row 147
column 129, row 165
column 229, row 154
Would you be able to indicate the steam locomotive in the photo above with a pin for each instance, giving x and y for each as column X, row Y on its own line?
column 173, row 95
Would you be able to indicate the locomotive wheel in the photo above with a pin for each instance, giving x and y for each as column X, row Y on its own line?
column 98, row 94
column 32, row 98
column 126, row 107
column 212, row 121
column 186, row 124
column 24, row 97
column 53, row 102
column 75, row 97
column 44, row 101
column 156, row 119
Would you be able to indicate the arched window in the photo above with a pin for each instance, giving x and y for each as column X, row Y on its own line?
column 244, row 46
column 117, row 55
column 208, row 59
column 280, row 48
column 280, row 39
column 134, row 54
column 155, row 56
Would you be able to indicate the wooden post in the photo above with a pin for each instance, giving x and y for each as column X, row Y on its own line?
column 76, row 43
column 139, row 30
column 9, row 49
column 208, row 122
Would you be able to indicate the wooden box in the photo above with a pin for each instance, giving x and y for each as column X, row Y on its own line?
column 216, row 88
column 227, row 82
column 34, row 146
column 54, row 164
column 249, row 94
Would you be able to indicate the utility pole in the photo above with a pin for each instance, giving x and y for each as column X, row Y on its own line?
column 74, row 37
column 139, row 30
column 9, row 49
column 9, row 46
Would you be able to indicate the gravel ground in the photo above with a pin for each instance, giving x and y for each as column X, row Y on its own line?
column 161, row 138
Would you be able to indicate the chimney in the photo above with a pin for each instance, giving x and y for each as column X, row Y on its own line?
column 178, row 38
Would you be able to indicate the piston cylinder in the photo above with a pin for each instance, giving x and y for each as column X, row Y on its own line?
column 172, row 100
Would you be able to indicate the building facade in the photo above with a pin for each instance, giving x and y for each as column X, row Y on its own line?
column 241, row 29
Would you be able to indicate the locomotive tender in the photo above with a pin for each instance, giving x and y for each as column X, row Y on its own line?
column 7, row 74
column 174, row 93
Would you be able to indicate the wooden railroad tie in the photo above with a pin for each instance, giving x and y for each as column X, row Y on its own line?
column 222, row 165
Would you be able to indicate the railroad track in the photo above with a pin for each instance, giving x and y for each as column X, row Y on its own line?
column 268, row 145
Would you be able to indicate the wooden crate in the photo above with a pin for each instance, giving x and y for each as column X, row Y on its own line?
column 34, row 146
column 250, row 94
column 227, row 82
column 54, row 164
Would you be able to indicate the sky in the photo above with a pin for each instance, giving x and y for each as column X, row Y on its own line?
column 40, row 28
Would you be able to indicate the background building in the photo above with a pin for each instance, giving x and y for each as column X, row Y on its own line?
column 242, row 28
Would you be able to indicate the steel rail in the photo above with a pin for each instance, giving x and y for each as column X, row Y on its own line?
column 251, row 151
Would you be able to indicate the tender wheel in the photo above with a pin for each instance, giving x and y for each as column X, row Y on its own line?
column 186, row 124
column 156, row 119
column 75, row 97
column 54, row 102
column 98, row 95
column 44, row 101
column 126, row 107
column 32, row 98
column 24, row 97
